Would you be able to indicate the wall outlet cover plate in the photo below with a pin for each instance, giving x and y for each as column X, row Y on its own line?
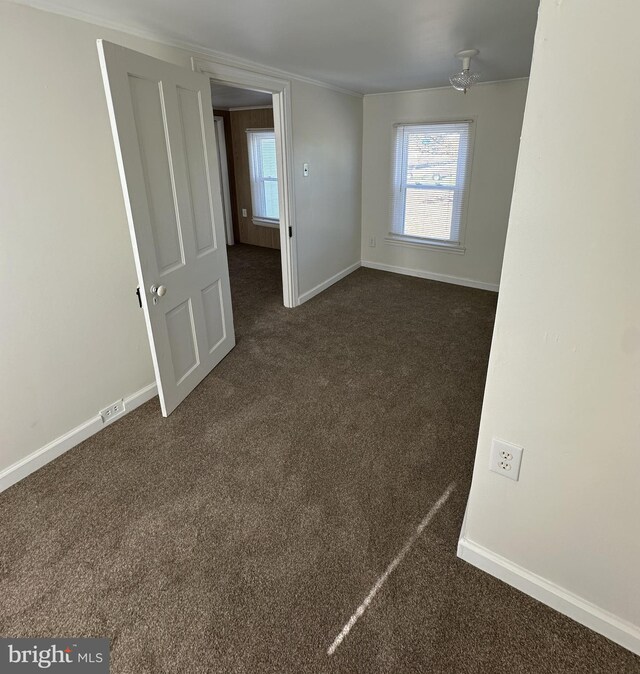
column 115, row 410
column 505, row 458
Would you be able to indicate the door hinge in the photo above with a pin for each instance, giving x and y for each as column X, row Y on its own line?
column 139, row 297
column 290, row 232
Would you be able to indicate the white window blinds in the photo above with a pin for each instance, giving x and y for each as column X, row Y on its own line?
column 430, row 180
column 264, row 174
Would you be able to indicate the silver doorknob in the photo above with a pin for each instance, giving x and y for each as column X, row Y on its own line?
column 160, row 291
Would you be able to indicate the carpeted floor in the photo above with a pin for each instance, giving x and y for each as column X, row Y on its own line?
column 241, row 534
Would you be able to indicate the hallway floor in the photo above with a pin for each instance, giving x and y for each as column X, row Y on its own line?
column 242, row 533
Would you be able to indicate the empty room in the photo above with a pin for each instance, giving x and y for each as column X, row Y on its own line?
column 320, row 345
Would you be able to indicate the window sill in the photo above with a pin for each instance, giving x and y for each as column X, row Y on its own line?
column 414, row 242
column 265, row 222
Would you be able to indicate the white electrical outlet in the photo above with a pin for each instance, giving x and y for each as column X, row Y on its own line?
column 372, row 242
column 305, row 170
column 110, row 413
column 244, row 212
column 505, row 459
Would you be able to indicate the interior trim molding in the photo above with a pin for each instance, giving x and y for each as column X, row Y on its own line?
column 225, row 59
column 32, row 462
column 432, row 276
column 424, row 245
column 329, row 282
column 621, row 631
column 251, row 107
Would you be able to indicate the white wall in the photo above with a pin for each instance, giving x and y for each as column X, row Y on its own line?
column 73, row 339
column 327, row 128
column 564, row 373
column 499, row 109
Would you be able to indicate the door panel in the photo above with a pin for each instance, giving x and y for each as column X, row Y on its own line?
column 162, row 122
column 197, row 170
column 152, row 138
column 214, row 315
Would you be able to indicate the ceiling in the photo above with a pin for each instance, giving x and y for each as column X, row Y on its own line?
column 224, row 97
column 362, row 45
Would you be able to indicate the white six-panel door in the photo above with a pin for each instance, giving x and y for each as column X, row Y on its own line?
column 162, row 122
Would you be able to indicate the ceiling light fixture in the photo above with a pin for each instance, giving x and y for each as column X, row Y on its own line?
column 465, row 79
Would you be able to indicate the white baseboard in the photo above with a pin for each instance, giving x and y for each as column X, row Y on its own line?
column 329, row 282
column 432, row 276
column 75, row 436
column 621, row 631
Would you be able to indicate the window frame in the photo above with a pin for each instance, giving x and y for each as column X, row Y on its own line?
column 399, row 187
column 260, row 219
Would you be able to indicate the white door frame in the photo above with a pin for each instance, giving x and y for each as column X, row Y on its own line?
column 224, row 178
column 281, row 91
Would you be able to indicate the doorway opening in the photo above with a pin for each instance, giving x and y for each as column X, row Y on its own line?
column 255, row 119
column 249, row 184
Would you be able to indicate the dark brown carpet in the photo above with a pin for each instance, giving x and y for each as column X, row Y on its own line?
column 240, row 534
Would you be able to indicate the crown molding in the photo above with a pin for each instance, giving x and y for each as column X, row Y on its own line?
column 251, row 107
column 195, row 49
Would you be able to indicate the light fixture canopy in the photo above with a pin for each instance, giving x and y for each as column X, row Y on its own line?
column 465, row 79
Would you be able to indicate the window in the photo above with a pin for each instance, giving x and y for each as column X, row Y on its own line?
column 264, row 176
column 430, row 182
